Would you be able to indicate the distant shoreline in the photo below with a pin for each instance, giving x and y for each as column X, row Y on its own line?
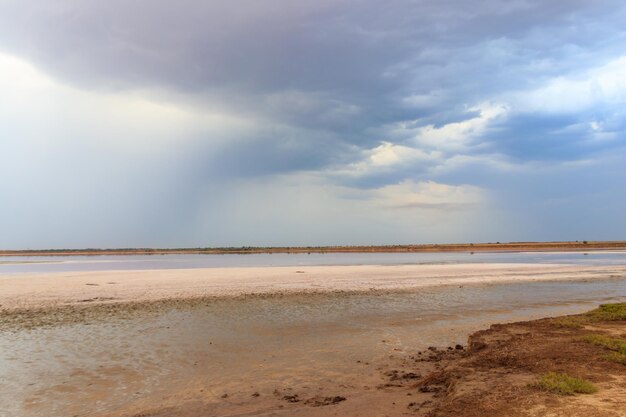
column 448, row 247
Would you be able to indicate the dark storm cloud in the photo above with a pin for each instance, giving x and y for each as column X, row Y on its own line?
column 321, row 84
column 361, row 57
column 265, row 153
column 542, row 137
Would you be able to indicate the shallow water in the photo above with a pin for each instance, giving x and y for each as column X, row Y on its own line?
column 45, row 264
column 248, row 345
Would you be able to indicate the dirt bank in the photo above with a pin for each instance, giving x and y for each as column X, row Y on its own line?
column 498, row 374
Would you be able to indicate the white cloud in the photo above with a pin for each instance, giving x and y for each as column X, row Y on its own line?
column 428, row 195
column 454, row 136
column 457, row 135
column 600, row 86
column 386, row 157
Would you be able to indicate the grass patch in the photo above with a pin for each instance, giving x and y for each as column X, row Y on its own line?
column 617, row 346
column 611, row 343
column 616, row 357
column 564, row 384
column 606, row 312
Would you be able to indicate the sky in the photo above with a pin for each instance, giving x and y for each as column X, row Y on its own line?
column 151, row 123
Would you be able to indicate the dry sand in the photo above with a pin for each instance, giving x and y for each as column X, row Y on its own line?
column 77, row 288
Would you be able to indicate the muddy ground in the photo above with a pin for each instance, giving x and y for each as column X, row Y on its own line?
column 493, row 375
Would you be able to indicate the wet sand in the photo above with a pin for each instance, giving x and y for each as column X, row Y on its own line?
column 45, row 290
column 495, row 374
column 206, row 342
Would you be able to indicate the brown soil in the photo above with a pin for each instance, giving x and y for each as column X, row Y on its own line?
column 448, row 247
column 492, row 376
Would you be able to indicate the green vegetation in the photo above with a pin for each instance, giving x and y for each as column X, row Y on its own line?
column 606, row 312
column 611, row 343
column 617, row 357
column 573, row 322
column 564, row 384
column 617, row 346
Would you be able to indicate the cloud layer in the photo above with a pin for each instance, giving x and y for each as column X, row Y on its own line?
column 317, row 122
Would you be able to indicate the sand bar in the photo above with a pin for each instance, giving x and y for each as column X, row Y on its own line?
column 43, row 290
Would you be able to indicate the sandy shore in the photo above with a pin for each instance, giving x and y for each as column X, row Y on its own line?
column 68, row 288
